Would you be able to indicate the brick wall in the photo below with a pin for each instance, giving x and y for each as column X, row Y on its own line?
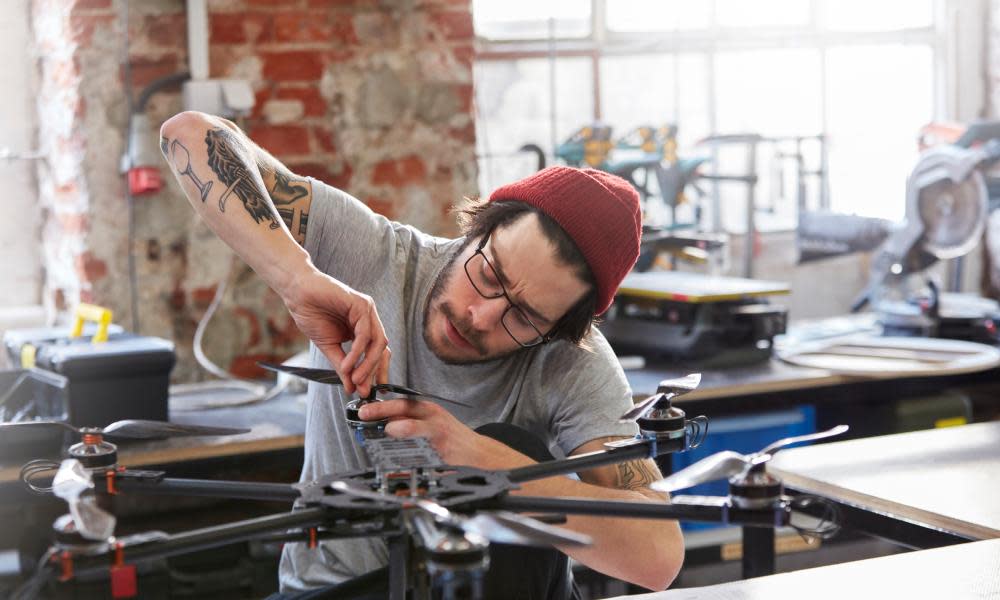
column 373, row 96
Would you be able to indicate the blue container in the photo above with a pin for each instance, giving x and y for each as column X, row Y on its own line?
column 744, row 434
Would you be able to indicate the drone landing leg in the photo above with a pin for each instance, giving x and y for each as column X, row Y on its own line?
column 399, row 548
column 758, row 551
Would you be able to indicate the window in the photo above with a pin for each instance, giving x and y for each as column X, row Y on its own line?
column 862, row 76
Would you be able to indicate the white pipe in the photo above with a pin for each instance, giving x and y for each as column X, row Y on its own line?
column 197, row 30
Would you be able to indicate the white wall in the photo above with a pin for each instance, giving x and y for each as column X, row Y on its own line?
column 20, row 259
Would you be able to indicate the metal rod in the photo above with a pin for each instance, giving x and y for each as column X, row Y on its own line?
column 203, row 487
column 758, row 552
column 616, row 508
column 398, row 558
column 208, row 537
column 581, row 462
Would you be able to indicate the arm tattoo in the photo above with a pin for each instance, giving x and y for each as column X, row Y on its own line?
column 636, row 475
column 292, row 198
column 181, row 159
column 231, row 169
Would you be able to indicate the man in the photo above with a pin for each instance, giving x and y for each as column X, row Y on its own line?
column 499, row 318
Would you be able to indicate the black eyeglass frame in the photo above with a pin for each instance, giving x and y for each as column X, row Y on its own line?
column 543, row 338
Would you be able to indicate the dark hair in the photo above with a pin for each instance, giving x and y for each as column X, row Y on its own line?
column 476, row 217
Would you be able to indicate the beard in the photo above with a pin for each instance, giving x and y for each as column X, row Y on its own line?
column 464, row 328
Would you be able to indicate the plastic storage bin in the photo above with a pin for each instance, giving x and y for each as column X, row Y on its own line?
column 32, row 395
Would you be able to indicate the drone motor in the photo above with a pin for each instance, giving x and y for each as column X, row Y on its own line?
column 95, row 454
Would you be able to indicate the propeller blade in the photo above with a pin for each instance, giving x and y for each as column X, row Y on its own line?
column 331, row 377
column 70, row 482
column 782, row 443
column 36, row 425
column 511, row 528
column 405, row 391
column 639, row 410
column 139, row 429
column 318, row 375
column 719, row 465
column 681, row 385
column 668, row 390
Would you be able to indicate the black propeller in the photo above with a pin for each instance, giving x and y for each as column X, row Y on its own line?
column 137, row 429
column 329, row 376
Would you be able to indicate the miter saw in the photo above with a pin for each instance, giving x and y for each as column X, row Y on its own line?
column 946, row 209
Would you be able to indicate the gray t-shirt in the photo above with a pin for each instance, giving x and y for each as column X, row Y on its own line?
column 564, row 394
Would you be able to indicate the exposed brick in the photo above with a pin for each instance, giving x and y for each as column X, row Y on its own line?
column 274, row 3
column 382, row 207
column 201, row 297
column 324, row 139
column 312, row 169
column 281, row 139
column 177, row 299
column 465, row 55
column 240, row 28
column 169, row 30
column 81, row 27
column 464, row 92
column 286, row 334
column 466, row 134
column 59, row 299
column 297, row 65
column 146, row 70
column 313, row 103
column 455, row 25
column 252, row 322
column 307, row 26
column 345, row 4
column 399, row 172
column 245, row 365
column 342, row 179
column 89, row 267
column 91, row 5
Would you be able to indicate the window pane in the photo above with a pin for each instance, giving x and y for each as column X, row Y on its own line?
column 883, row 15
column 773, row 92
column 631, row 16
column 529, row 19
column 877, row 99
column 761, row 13
column 513, row 109
column 673, row 90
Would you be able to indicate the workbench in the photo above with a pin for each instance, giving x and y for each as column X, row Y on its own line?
column 920, row 489
column 966, row 571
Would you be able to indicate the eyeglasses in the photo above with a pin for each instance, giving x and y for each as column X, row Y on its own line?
column 484, row 278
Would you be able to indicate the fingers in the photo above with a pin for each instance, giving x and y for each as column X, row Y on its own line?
column 335, row 354
column 383, row 370
column 395, row 409
column 369, row 353
column 403, row 428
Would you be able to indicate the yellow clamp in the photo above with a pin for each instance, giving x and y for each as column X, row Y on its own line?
column 97, row 314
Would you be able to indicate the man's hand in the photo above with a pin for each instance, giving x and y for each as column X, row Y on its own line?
column 454, row 441
column 330, row 313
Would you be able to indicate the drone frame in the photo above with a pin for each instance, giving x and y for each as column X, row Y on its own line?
column 323, row 518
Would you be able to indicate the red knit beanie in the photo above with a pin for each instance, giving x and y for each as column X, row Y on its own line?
column 598, row 210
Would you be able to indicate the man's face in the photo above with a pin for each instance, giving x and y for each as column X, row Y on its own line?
column 461, row 326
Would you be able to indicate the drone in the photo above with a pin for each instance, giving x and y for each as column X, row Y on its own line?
column 437, row 519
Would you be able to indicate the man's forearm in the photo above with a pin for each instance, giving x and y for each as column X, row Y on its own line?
column 643, row 551
column 222, row 181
